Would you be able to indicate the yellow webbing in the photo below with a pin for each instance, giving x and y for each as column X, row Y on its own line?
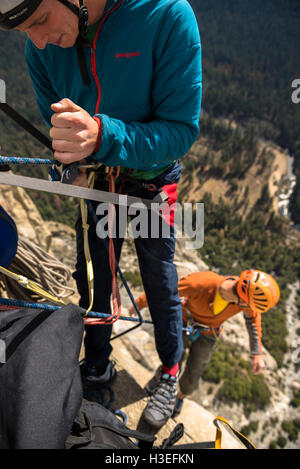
column 87, row 254
column 25, row 282
column 218, row 441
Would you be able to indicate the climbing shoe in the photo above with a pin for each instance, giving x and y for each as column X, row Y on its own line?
column 93, row 376
column 178, row 407
column 162, row 401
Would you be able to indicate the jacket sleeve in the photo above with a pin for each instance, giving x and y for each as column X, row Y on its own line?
column 43, row 90
column 187, row 287
column 253, row 324
column 141, row 301
column 176, row 100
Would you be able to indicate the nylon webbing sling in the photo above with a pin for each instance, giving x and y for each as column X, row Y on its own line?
column 26, row 125
column 56, row 187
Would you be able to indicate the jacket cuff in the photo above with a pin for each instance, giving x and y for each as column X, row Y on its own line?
column 98, row 120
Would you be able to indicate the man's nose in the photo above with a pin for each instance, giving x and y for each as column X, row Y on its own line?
column 39, row 40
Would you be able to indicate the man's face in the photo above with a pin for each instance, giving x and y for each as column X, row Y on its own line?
column 235, row 297
column 51, row 23
column 229, row 292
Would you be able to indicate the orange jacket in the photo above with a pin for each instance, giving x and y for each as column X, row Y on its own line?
column 200, row 289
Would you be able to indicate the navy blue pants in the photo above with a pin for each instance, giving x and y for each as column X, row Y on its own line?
column 160, row 281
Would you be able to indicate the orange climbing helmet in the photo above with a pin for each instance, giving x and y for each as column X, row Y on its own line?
column 259, row 290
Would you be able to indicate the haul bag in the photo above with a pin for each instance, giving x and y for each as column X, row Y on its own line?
column 96, row 427
column 40, row 383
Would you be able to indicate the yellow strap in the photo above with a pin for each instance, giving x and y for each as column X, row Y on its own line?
column 26, row 283
column 218, row 441
column 87, row 253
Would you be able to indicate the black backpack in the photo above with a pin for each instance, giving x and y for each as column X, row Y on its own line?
column 99, row 428
column 41, row 401
column 41, row 398
column 40, row 382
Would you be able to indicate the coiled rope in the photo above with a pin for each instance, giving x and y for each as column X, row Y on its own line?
column 33, row 263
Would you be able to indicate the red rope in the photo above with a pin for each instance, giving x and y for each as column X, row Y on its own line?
column 116, row 298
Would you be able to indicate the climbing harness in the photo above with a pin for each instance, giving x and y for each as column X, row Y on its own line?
column 194, row 329
column 63, row 188
column 61, row 179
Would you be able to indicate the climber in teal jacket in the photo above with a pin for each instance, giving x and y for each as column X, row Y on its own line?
column 121, row 86
column 153, row 47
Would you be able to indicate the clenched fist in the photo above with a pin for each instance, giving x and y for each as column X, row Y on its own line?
column 74, row 133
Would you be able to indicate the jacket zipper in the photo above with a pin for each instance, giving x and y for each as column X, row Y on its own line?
column 93, row 56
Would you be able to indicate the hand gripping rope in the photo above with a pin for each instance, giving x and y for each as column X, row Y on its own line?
column 68, row 176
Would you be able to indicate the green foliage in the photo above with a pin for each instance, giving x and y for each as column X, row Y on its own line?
column 251, row 427
column 291, row 427
column 238, row 383
column 295, row 402
column 250, row 58
column 251, row 391
column 234, row 150
column 281, row 442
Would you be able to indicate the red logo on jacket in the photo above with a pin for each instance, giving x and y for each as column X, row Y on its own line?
column 127, row 55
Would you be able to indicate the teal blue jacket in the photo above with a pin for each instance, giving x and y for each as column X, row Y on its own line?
column 146, row 81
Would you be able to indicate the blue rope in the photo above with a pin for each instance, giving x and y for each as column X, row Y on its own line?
column 7, row 160
column 46, row 307
column 23, row 304
column 17, row 160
